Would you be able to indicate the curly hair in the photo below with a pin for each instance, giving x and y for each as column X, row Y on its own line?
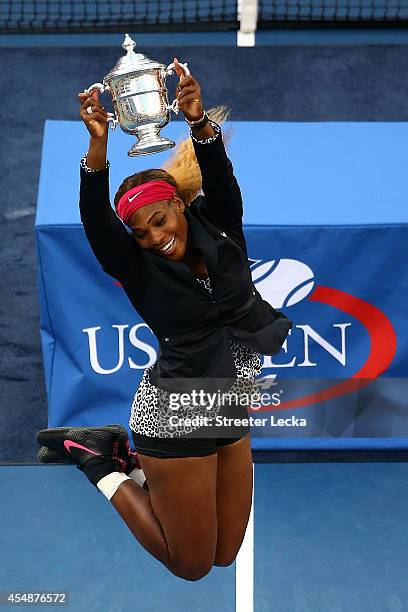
column 181, row 170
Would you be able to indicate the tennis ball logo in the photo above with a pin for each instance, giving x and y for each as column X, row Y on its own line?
column 282, row 282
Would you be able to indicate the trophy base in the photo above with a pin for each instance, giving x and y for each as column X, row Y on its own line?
column 150, row 142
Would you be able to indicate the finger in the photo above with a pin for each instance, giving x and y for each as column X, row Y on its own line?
column 90, row 104
column 82, row 98
column 86, row 102
column 188, row 90
column 95, row 96
column 93, row 109
column 97, row 115
column 98, row 107
column 193, row 87
column 189, row 85
column 188, row 99
column 178, row 68
column 186, row 81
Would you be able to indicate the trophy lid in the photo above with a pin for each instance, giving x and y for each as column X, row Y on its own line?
column 132, row 61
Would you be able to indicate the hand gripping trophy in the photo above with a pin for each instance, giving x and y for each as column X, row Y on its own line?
column 138, row 89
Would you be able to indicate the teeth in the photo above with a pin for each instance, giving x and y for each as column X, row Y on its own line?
column 168, row 246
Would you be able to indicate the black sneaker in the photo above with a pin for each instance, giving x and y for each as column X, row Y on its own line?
column 93, row 449
column 49, row 455
column 128, row 458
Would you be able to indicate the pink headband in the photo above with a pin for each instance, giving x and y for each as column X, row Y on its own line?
column 146, row 193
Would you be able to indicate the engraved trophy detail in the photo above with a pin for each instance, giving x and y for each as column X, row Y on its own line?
column 138, row 89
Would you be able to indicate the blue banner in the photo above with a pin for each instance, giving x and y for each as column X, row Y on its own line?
column 345, row 286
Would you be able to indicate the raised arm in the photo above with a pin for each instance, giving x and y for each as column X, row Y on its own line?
column 113, row 247
column 223, row 201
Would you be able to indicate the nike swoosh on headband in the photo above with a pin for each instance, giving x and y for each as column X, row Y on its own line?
column 69, row 443
column 136, row 194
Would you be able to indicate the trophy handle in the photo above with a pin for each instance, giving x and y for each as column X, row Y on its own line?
column 113, row 121
column 102, row 88
column 170, row 69
column 168, row 72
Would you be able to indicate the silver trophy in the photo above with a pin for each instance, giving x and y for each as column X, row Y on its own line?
column 138, row 89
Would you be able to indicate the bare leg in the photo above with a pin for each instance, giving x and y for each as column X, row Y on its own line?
column 133, row 504
column 234, row 496
column 176, row 520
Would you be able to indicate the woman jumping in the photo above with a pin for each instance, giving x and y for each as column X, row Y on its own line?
column 182, row 260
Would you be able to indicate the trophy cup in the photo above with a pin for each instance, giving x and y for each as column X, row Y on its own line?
column 138, row 89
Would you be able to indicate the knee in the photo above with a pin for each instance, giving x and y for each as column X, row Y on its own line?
column 192, row 571
column 226, row 551
column 224, row 560
column 225, row 555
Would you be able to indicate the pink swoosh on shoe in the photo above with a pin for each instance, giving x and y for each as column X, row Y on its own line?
column 69, row 443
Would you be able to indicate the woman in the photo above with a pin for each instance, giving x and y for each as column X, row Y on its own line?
column 184, row 266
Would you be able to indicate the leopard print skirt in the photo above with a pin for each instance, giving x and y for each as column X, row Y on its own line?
column 151, row 412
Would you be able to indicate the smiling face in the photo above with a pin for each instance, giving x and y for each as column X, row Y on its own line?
column 161, row 227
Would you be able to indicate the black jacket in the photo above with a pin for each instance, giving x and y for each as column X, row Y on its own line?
column 192, row 327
